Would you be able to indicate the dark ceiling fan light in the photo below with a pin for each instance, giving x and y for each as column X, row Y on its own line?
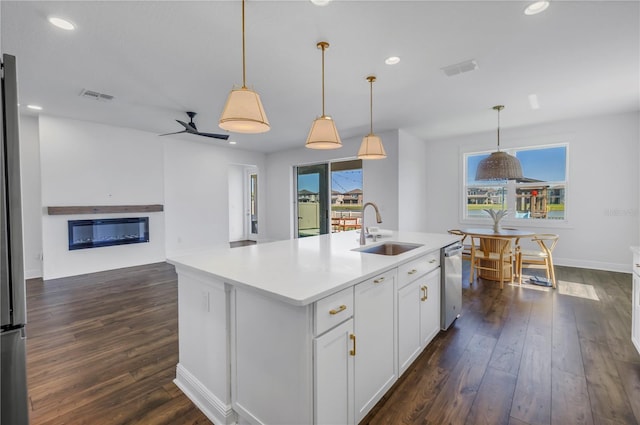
column 191, row 128
column 499, row 165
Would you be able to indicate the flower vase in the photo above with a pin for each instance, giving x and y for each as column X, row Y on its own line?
column 496, row 216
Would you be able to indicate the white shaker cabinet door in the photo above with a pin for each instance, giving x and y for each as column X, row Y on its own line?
column 429, row 307
column 374, row 328
column 333, row 375
column 635, row 324
column 409, row 335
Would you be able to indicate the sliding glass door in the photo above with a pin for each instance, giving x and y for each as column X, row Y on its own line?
column 328, row 197
column 312, row 206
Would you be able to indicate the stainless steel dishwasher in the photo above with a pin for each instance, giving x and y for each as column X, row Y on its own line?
column 450, row 284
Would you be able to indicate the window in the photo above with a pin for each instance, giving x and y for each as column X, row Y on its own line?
column 539, row 196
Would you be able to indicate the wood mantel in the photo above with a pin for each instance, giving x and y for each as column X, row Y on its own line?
column 103, row 209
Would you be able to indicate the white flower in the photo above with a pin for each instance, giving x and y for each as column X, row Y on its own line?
column 497, row 215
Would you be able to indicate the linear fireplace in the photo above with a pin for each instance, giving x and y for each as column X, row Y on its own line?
column 106, row 232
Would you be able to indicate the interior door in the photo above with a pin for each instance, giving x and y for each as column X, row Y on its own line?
column 312, row 200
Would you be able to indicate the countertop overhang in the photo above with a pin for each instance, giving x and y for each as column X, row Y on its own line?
column 302, row 271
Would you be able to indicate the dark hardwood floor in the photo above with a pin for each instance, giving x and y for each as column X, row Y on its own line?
column 102, row 349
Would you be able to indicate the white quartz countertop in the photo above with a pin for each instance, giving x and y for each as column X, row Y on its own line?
column 302, row 271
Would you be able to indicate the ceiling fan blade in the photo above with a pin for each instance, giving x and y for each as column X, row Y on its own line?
column 177, row 132
column 187, row 127
column 215, row 136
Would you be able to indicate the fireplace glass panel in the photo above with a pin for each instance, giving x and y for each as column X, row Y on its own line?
column 106, row 232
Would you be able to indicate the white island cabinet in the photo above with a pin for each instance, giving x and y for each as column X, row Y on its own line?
column 418, row 307
column 303, row 331
column 635, row 301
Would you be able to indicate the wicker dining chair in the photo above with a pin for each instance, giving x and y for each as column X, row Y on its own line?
column 541, row 258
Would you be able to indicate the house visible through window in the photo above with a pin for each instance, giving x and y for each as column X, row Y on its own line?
column 317, row 214
column 539, row 195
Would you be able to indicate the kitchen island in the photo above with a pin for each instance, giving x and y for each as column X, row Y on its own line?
column 303, row 331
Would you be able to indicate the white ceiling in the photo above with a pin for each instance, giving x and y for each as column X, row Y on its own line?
column 162, row 58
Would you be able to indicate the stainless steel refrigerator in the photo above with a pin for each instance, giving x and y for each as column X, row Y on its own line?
column 13, row 376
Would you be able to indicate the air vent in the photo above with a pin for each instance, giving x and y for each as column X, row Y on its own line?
column 90, row 94
column 459, row 68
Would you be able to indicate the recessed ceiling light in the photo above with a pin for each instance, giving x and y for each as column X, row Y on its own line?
column 320, row 2
column 35, row 107
column 61, row 23
column 232, row 142
column 533, row 101
column 392, row 60
column 536, row 7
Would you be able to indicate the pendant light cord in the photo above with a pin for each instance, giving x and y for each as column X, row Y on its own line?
column 323, row 47
column 498, row 130
column 498, row 108
column 371, row 79
column 244, row 68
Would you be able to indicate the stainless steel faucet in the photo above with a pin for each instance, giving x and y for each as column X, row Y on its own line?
column 363, row 228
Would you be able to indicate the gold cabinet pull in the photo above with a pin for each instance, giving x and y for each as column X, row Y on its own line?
column 379, row 280
column 337, row 310
column 412, row 271
column 352, row 337
column 425, row 291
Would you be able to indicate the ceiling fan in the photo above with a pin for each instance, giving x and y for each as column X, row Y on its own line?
column 191, row 128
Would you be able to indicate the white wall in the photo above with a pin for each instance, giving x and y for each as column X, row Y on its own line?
column 602, row 199
column 197, row 193
column 85, row 163
column 74, row 162
column 31, row 196
column 236, row 202
column 380, row 182
column 412, row 183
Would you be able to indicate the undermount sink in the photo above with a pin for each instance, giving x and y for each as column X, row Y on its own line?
column 389, row 248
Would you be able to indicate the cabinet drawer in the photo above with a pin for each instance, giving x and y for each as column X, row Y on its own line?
column 333, row 310
column 419, row 267
column 636, row 263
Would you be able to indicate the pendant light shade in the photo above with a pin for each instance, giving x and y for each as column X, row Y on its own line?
column 371, row 147
column 323, row 133
column 499, row 165
column 243, row 112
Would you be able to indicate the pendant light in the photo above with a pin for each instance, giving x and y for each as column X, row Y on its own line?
column 243, row 112
column 499, row 165
column 323, row 133
column 371, row 147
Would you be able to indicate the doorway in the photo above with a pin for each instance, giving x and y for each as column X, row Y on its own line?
column 243, row 204
column 252, row 204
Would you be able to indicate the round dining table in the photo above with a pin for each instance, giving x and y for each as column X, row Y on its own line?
column 505, row 233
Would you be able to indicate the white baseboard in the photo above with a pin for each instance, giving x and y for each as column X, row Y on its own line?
column 213, row 408
column 32, row 273
column 597, row 265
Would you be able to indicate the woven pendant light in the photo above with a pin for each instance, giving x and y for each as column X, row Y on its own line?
column 499, row 165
